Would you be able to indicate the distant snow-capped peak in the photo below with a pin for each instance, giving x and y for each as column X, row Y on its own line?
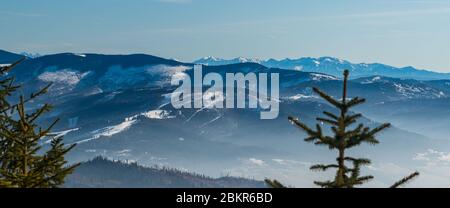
column 248, row 60
column 211, row 58
column 214, row 61
column 333, row 66
column 30, row 55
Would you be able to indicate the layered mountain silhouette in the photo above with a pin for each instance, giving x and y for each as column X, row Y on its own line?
column 333, row 66
column 118, row 106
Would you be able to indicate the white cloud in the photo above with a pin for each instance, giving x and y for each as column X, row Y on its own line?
column 256, row 161
column 421, row 157
column 291, row 163
column 445, row 158
column 433, row 157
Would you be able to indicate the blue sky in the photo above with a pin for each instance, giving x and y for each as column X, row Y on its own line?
column 395, row 32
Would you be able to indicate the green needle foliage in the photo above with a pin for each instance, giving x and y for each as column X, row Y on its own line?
column 344, row 138
column 274, row 183
column 405, row 180
column 346, row 135
column 22, row 165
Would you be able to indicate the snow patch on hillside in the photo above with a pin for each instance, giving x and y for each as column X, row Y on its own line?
column 126, row 124
column 373, row 80
column 172, row 71
column 80, row 55
column 411, row 91
column 301, row 96
column 211, row 99
column 117, row 77
column 320, row 77
column 298, row 68
column 407, row 90
column 62, row 80
column 62, row 133
column 58, row 134
column 214, row 61
column 111, row 130
column 158, row 114
column 65, row 76
column 316, row 62
column 94, row 91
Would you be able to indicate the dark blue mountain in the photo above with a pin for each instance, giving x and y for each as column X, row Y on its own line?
column 8, row 57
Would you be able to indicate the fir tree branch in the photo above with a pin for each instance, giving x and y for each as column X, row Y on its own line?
column 364, row 179
column 320, row 167
column 379, row 128
column 405, row 180
column 331, row 115
column 274, row 183
column 328, row 98
column 8, row 68
column 359, row 161
column 351, row 119
column 328, row 121
column 343, row 139
column 354, row 102
column 326, row 184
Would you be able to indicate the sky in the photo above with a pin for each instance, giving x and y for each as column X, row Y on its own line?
column 395, row 32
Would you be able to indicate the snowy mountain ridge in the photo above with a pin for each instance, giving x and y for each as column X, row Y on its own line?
column 332, row 66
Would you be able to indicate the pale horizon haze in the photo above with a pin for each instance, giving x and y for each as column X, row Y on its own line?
column 394, row 32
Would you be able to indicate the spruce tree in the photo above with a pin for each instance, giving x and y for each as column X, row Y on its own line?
column 345, row 135
column 22, row 163
column 55, row 166
column 274, row 183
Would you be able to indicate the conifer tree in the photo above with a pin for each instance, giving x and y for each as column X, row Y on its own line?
column 22, row 165
column 274, row 183
column 346, row 135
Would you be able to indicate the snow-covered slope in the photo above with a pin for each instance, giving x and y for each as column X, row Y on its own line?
column 119, row 106
column 213, row 61
column 334, row 66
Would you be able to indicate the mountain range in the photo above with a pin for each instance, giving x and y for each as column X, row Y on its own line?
column 103, row 173
column 333, row 66
column 118, row 106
